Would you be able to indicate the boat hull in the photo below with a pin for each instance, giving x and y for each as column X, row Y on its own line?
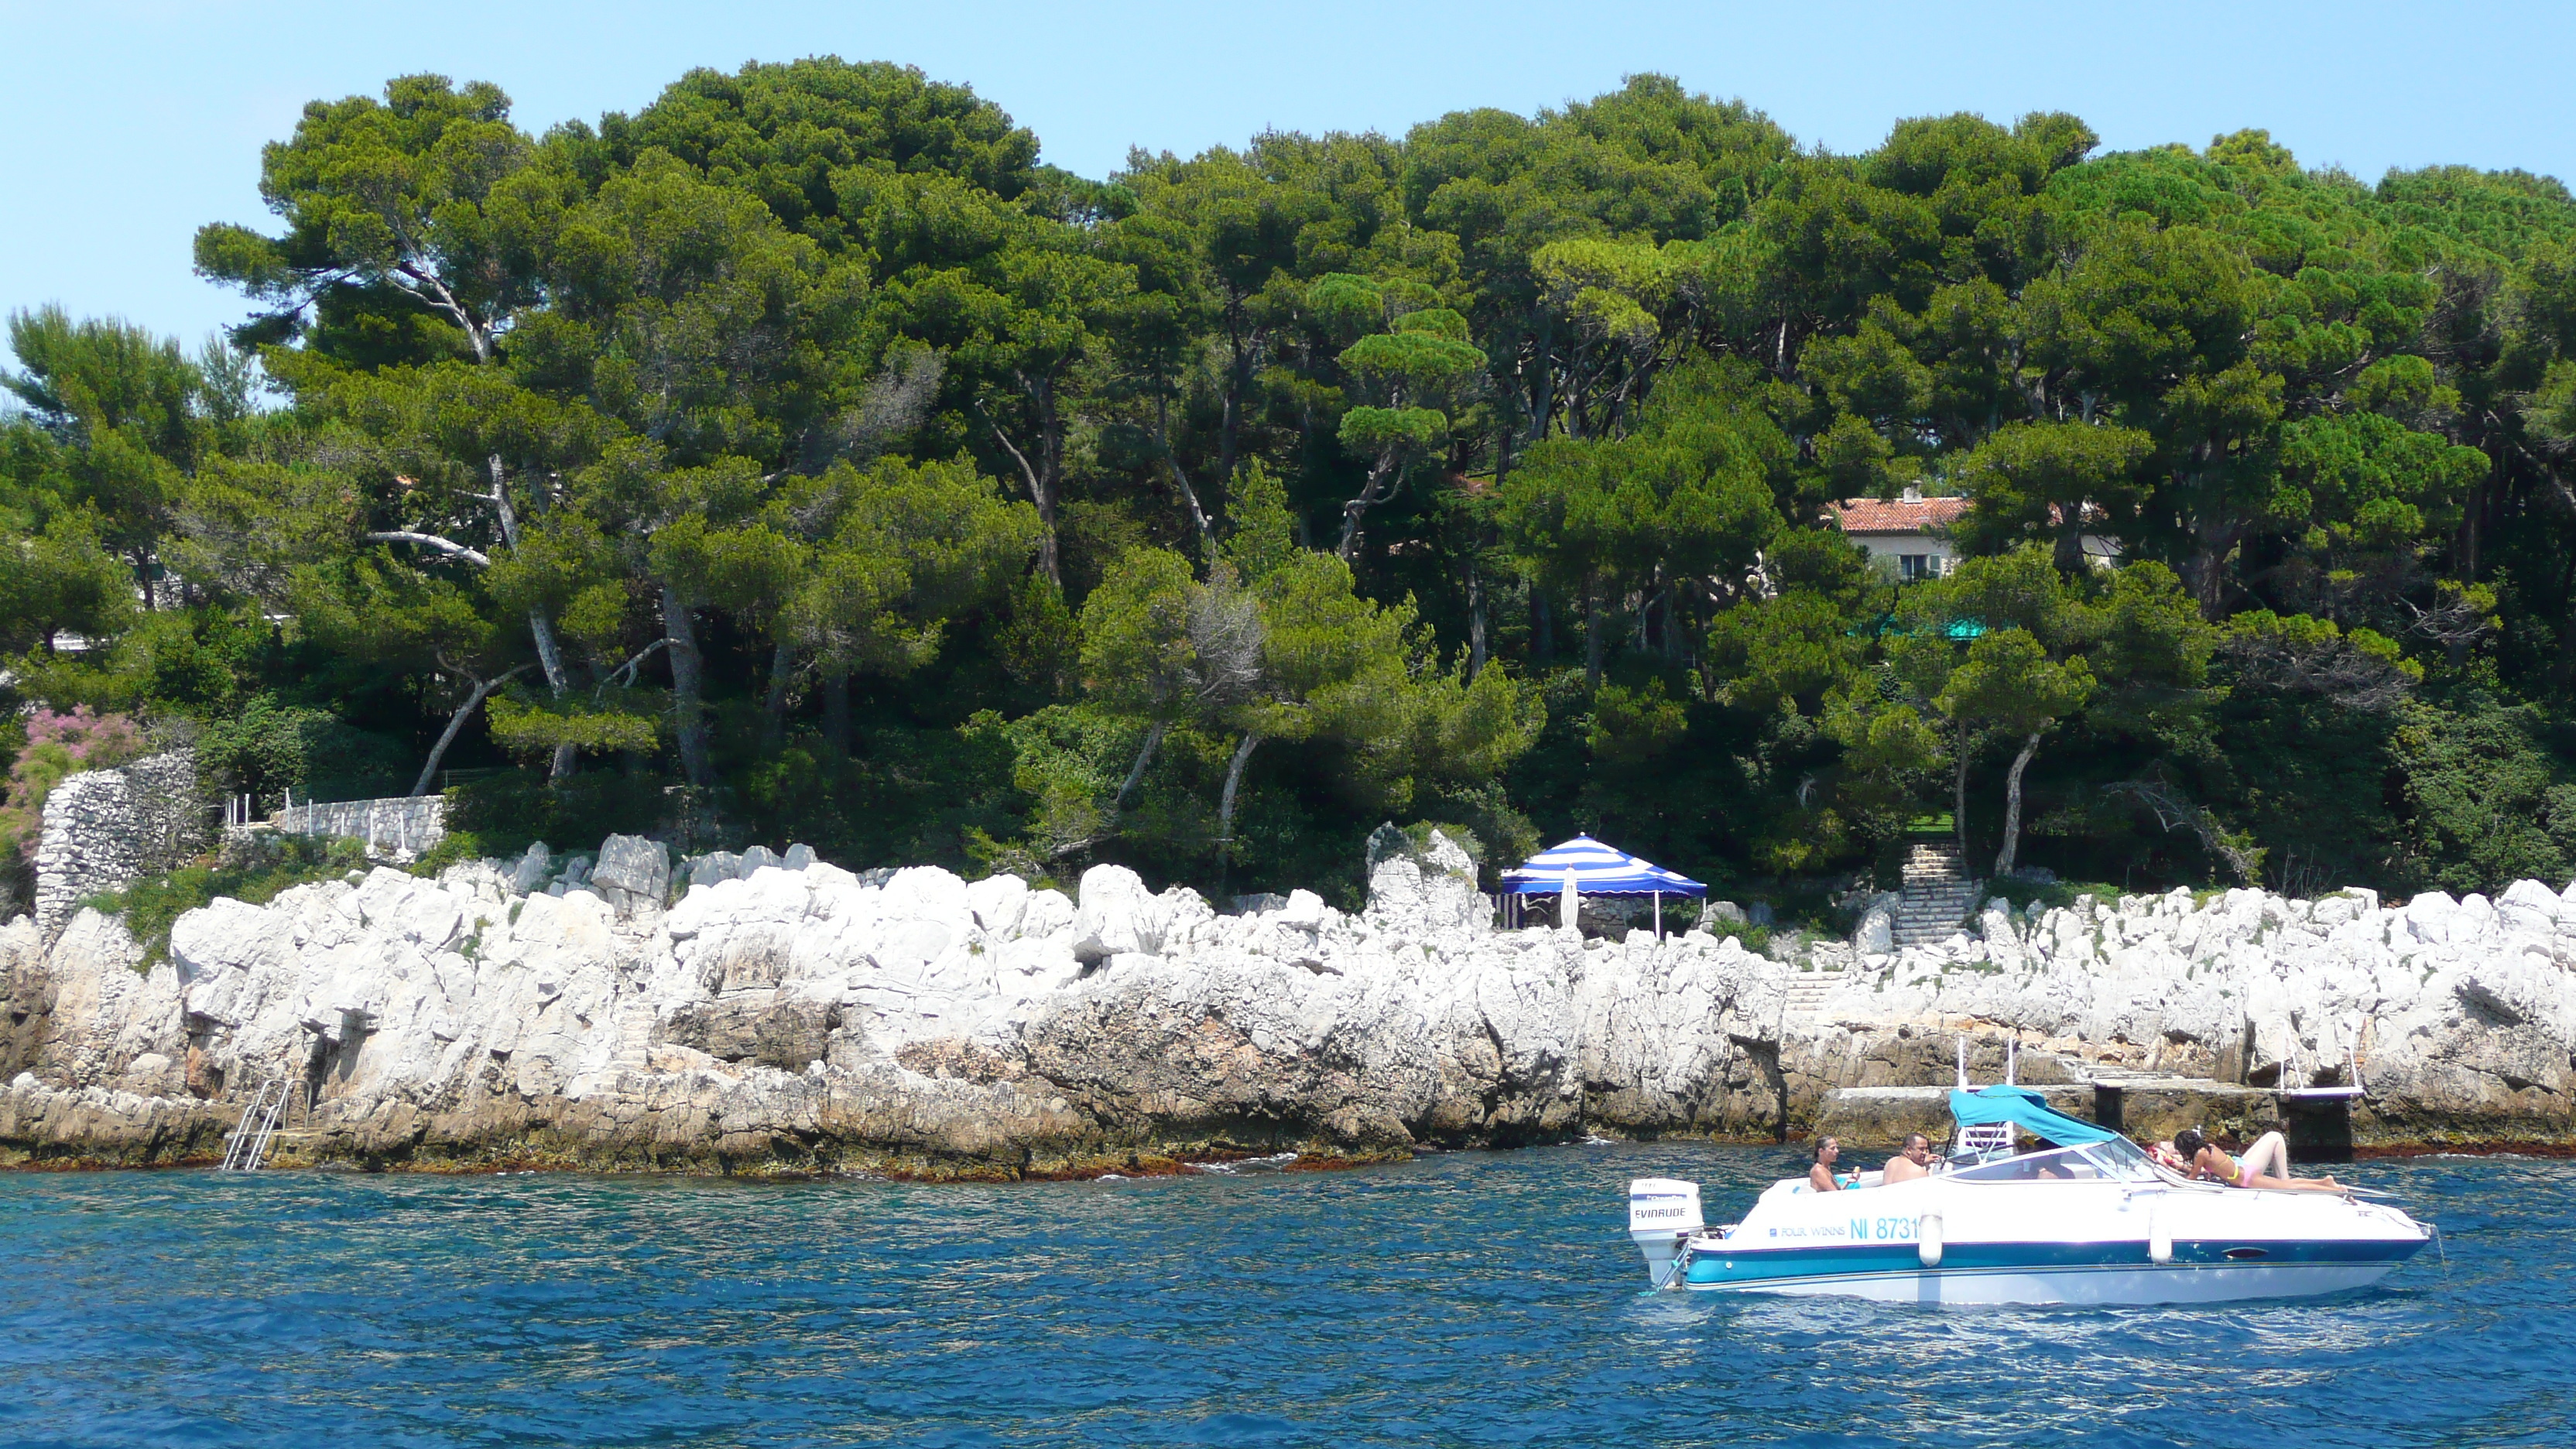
column 2053, row 1273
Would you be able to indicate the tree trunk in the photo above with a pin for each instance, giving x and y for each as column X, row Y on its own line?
column 456, row 722
column 1181, row 480
column 1357, row 508
column 836, row 709
column 1543, row 403
column 1244, row 345
column 2208, row 566
column 1041, row 482
column 1050, row 474
column 1233, row 779
column 1542, row 628
column 2070, row 545
column 540, row 628
column 2469, row 532
column 1595, row 648
column 1227, row 426
column 1050, row 556
column 773, row 722
column 688, row 690
column 2212, row 541
column 2566, row 668
column 1959, row 794
column 551, row 659
column 1144, row 758
column 2012, row 805
column 1476, row 623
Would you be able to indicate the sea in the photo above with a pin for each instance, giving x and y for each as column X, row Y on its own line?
column 1461, row 1299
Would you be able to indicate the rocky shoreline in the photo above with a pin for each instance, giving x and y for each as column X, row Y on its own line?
column 775, row 1014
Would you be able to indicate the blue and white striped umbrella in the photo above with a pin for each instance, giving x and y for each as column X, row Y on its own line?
column 1598, row 870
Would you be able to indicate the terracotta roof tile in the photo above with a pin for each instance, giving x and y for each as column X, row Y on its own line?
column 1869, row 515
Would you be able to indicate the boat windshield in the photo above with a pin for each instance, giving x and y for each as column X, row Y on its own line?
column 2123, row 1159
column 2114, row 1161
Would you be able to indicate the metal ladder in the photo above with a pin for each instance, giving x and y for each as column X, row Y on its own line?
column 249, row 1141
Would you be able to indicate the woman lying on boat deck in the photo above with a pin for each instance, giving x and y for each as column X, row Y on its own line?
column 2266, row 1163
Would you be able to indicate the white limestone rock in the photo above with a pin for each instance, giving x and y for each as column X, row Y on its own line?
column 2430, row 917
column 1116, row 916
column 1431, row 892
column 1876, row 935
column 776, row 1006
column 2528, row 908
column 529, row 871
column 633, row 874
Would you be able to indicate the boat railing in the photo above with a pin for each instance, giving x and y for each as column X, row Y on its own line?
column 1986, row 1139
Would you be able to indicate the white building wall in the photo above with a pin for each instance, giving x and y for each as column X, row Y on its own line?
column 1890, row 550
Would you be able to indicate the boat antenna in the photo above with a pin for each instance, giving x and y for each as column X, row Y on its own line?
column 2012, row 1060
column 1963, row 1061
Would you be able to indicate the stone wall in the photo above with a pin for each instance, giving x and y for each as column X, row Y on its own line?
column 103, row 828
column 396, row 828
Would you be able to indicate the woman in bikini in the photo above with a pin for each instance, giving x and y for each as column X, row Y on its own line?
column 2269, row 1151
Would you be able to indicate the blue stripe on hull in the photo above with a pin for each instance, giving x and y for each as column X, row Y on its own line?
column 1717, row 1268
column 2105, row 1286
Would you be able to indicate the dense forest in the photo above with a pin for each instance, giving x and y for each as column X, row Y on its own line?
column 802, row 458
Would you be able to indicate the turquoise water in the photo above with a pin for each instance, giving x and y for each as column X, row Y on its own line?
column 1468, row 1299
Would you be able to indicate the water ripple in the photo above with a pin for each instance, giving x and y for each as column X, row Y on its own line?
column 1467, row 1299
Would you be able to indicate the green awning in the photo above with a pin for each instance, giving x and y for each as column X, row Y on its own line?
column 1958, row 631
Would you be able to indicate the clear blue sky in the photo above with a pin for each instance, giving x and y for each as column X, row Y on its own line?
column 125, row 124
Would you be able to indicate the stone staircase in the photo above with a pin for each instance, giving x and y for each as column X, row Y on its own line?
column 1935, row 898
column 1807, row 991
column 634, row 1027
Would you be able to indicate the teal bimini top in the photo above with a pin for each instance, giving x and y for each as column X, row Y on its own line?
column 2023, row 1108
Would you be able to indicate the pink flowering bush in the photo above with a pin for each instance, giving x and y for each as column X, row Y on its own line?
column 59, row 746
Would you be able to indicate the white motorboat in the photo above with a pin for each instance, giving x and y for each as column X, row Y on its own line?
column 2081, row 1215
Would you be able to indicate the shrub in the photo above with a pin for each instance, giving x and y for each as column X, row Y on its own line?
column 268, row 747
column 502, row 813
column 59, row 746
column 454, row 848
column 2028, row 896
column 1756, row 939
column 255, row 869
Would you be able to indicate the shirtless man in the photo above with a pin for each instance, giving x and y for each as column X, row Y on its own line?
column 2270, row 1150
column 1913, row 1162
column 1821, row 1176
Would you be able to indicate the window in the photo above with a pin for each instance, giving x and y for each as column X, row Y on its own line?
column 2060, row 1164
column 1914, row 567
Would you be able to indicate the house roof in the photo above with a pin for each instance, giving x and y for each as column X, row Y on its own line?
column 1871, row 515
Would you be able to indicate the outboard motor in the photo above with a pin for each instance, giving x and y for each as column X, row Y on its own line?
column 1661, row 1213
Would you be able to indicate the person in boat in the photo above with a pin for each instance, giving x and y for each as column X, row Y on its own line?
column 1912, row 1161
column 2270, row 1151
column 1821, row 1176
column 2040, row 1168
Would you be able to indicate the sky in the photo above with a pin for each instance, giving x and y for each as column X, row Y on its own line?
column 126, row 124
